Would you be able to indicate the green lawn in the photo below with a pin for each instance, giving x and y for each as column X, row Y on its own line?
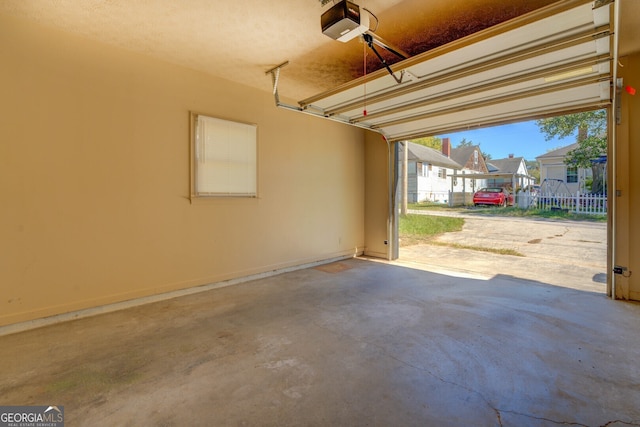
column 421, row 228
column 433, row 206
column 536, row 213
column 415, row 229
column 508, row 211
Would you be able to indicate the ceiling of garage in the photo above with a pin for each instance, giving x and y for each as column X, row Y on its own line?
column 239, row 40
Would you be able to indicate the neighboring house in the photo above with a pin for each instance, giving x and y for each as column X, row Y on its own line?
column 429, row 174
column 511, row 173
column 470, row 157
column 552, row 167
column 472, row 161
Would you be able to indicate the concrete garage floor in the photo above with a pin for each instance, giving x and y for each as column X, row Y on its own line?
column 358, row 343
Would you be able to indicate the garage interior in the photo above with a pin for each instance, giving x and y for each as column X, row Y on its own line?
column 115, row 298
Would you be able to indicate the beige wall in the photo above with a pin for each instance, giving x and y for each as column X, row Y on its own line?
column 377, row 153
column 94, row 179
column 627, row 227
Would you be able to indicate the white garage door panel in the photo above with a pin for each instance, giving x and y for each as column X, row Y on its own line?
column 565, row 100
column 463, row 91
column 496, row 100
column 555, row 58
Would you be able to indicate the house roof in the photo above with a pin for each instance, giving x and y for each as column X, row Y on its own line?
column 462, row 155
column 421, row 153
column 560, row 152
column 492, row 168
column 508, row 165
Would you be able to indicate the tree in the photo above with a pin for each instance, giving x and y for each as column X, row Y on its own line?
column 591, row 139
column 429, row 141
column 592, row 135
column 533, row 169
column 465, row 143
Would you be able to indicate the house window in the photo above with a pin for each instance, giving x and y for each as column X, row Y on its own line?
column 224, row 159
column 442, row 173
column 572, row 174
column 419, row 169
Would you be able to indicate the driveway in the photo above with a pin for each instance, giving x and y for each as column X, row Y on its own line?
column 557, row 252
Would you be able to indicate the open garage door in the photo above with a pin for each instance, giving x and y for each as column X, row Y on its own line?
column 553, row 61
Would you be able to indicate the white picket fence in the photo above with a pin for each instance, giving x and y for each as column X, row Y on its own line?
column 590, row 204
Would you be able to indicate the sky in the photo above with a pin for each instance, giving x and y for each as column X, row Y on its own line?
column 520, row 139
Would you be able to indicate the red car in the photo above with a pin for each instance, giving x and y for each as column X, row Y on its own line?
column 495, row 196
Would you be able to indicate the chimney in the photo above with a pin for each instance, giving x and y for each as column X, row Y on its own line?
column 446, row 147
column 511, row 156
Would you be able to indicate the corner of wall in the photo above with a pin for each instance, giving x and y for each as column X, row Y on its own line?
column 377, row 219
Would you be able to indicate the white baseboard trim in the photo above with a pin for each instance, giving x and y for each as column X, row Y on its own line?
column 108, row 308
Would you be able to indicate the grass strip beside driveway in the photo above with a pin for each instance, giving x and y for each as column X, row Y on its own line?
column 421, row 228
column 416, row 229
column 511, row 211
